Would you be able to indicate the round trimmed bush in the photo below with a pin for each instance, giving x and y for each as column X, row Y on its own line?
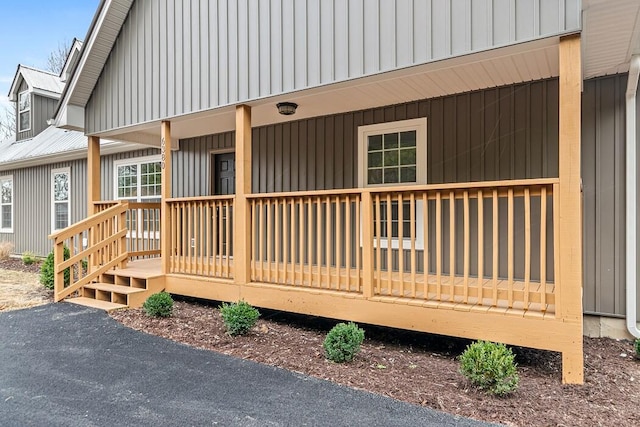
column 238, row 317
column 28, row 258
column 343, row 342
column 47, row 270
column 490, row 366
column 158, row 305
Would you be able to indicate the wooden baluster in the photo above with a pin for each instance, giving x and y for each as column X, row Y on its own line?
column 358, row 229
column 201, row 208
column 348, row 243
column 338, row 241
column 378, row 276
column 208, row 233
column 480, row 247
column 527, row 245
column 215, row 237
column 425, row 251
column 401, row 243
column 496, row 245
column 227, row 207
column 438, row 245
column 452, row 244
column 285, row 240
column 318, row 228
column 510, row 222
column 327, row 245
column 262, row 234
column 389, row 246
column 277, row 236
column 543, row 249
column 466, row 246
column 301, row 245
column 556, row 251
column 412, row 232
column 269, row 240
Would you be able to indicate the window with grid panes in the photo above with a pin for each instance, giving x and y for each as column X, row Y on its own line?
column 394, row 154
column 6, row 204
column 60, row 195
column 140, row 180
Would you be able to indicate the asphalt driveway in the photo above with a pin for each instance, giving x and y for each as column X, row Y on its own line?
column 62, row 364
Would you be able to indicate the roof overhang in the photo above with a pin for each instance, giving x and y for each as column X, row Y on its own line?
column 69, row 117
column 98, row 43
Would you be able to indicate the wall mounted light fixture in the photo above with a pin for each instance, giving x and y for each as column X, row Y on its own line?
column 287, row 108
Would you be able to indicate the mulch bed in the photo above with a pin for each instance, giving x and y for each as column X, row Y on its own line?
column 16, row 264
column 420, row 368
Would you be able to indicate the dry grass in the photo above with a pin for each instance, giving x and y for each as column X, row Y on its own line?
column 6, row 248
column 21, row 290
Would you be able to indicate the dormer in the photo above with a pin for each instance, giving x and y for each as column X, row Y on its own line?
column 72, row 60
column 36, row 94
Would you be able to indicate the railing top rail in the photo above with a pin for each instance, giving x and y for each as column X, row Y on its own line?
column 89, row 221
column 201, row 198
column 315, row 193
column 474, row 185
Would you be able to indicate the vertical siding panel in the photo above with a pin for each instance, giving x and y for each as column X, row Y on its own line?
column 194, row 64
column 232, row 51
column 355, row 28
column 253, row 35
column 288, row 45
column 341, row 40
column 300, row 51
column 387, row 34
column 162, row 60
column 265, row 47
column 327, row 41
column 214, row 57
column 460, row 26
column 372, row 37
column 243, row 53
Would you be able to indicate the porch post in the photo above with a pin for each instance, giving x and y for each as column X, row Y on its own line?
column 165, row 223
column 569, row 258
column 242, row 217
column 93, row 174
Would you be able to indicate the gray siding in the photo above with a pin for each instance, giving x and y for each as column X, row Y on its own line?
column 603, row 172
column 42, row 109
column 32, row 205
column 176, row 57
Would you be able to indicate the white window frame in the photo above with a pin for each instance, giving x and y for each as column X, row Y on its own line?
column 3, row 179
column 54, row 172
column 420, row 126
column 20, row 112
column 135, row 161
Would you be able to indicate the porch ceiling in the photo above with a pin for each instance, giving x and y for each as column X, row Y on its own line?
column 611, row 34
column 519, row 63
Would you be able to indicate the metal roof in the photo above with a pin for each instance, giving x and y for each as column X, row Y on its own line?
column 37, row 80
column 53, row 145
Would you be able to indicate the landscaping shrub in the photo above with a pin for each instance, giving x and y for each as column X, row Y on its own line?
column 636, row 345
column 5, row 250
column 28, row 258
column 238, row 317
column 47, row 271
column 343, row 342
column 490, row 366
column 158, row 305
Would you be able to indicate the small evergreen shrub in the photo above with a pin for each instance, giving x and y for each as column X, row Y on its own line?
column 490, row 366
column 343, row 342
column 158, row 305
column 47, row 271
column 238, row 317
column 28, row 258
column 636, row 345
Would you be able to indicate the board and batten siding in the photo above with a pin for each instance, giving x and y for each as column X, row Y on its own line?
column 174, row 57
column 603, row 180
column 42, row 109
column 32, row 204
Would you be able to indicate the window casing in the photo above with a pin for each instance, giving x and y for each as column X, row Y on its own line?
column 6, row 204
column 392, row 154
column 24, row 111
column 139, row 180
column 60, row 198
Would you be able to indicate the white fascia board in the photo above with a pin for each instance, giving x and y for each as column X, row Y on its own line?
column 71, row 117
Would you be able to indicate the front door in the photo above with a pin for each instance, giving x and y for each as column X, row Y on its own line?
column 224, row 176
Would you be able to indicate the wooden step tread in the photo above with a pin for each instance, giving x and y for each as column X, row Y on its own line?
column 89, row 302
column 109, row 287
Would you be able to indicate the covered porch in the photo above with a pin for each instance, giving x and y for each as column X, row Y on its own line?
column 491, row 259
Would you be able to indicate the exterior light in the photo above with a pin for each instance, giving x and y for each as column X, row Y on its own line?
column 286, row 108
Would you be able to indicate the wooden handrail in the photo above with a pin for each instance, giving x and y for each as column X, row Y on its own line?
column 200, row 198
column 89, row 221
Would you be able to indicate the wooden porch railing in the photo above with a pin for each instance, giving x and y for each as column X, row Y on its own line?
column 201, row 236
column 484, row 244
column 99, row 243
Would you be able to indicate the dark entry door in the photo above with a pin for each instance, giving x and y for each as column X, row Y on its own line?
column 224, row 181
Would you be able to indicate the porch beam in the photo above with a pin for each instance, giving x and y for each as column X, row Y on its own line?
column 242, row 217
column 166, row 223
column 93, row 173
column 569, row 258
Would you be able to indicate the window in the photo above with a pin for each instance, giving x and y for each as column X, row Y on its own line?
column 60, row 198
column 6, row 204
column 139, row 180
column 24, row 111
column 394, row 154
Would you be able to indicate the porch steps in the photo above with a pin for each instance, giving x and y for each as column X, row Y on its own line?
column 95, row 303
column 122, row 288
